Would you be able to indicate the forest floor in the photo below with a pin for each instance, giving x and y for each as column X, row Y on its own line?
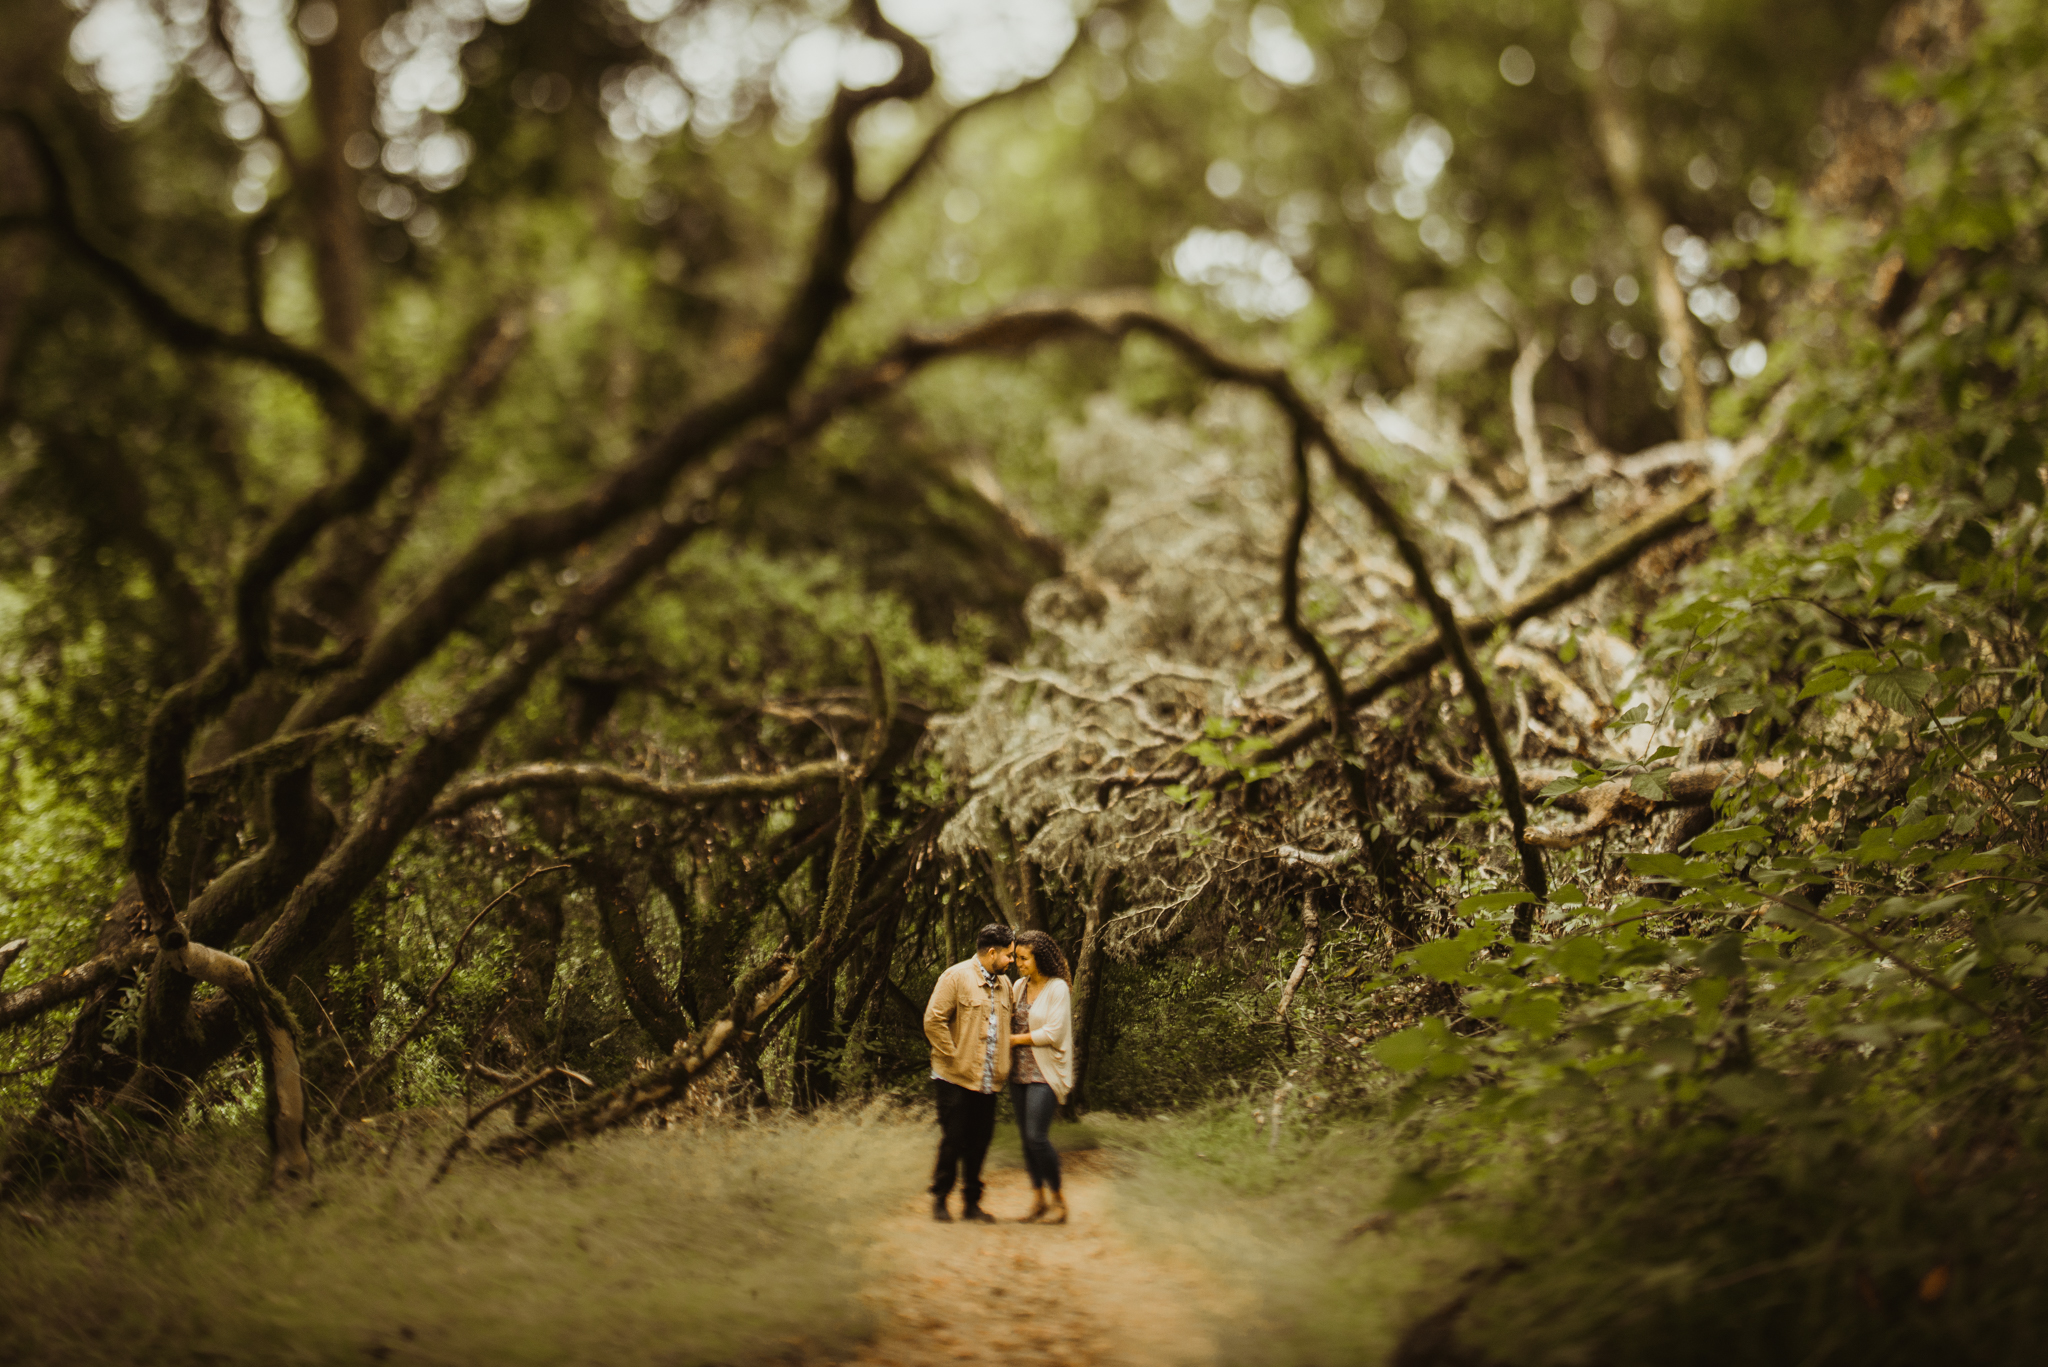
column 1082, row 1294
column 805, row 1242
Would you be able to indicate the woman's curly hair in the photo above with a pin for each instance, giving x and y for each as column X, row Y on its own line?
column 1050, row 961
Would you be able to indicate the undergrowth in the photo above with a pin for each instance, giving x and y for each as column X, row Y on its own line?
column 1377, row 1237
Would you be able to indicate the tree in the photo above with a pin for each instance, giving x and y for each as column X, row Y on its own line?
column 639, row 258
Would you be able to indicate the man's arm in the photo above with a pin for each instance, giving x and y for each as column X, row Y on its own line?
column 939, row 1012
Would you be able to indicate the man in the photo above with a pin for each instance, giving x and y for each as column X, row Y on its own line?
column 968, row 1023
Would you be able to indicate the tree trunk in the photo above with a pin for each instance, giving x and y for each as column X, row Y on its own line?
column 277, row 1045
column 344, row 92
column 1619, row 134
column 1087, row 973
column 818, row 1036
column 625, row 943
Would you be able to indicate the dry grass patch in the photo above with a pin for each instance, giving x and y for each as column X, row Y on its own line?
column 721, row 1244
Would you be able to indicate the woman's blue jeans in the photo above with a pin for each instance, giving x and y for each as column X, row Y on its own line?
column 1035, row 1103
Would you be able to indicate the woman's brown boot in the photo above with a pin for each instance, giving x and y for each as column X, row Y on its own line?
column 1037, row 1206
column 1057, row 1214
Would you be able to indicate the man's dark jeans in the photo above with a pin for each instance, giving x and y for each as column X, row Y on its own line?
column 966, row 1120
column 1035, row 1103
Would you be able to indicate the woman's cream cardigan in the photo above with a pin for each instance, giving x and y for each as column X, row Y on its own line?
column 1052, row 1035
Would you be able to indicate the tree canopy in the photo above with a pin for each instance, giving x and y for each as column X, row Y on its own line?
column 574, row 551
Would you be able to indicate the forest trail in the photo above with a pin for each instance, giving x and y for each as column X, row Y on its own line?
column 1081, row 1294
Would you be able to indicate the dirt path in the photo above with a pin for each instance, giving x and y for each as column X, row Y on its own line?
column 1074, row 1295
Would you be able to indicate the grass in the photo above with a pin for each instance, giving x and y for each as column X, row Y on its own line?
column 1284, row 1226
column 1006, row 1146
column 681, row 1247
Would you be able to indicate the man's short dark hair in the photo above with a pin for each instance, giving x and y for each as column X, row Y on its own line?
column 994, row 936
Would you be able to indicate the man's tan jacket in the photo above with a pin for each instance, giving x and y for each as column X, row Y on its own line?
column 956, row 1022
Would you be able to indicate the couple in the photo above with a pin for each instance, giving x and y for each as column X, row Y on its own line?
column 986, row 1031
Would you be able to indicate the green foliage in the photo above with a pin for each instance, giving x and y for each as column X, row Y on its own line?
column 1174, row 1033
column 1777, row 1108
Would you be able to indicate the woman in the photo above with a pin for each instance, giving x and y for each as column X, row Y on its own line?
column 1042, row 1067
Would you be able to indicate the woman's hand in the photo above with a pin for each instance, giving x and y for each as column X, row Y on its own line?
column 1016, row 1041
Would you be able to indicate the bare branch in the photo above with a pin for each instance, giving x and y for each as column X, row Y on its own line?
column 1316, row 859
column 404, row 796
column 935, row 144
column 274, row 755
column 1605, row 804
column 1342, row 731
column 693, row 438
column 680, row 793
column 75, row 982
column 1522, row 399
column 513, row 1093
column 1419, row 657
column 1311, row 939
column 1452, row 639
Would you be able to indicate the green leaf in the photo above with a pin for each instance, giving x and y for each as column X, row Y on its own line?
column 1579, row 958
column 1651, row 785
column 1494, row 901
column 1444, row 960
column 1713, row 842
column 1533, row 1013
column 1898, row 689
column 1406, row 1050
column 1737, row 703
column 1824, row 681
column 1633, row 717
column 1667, row 866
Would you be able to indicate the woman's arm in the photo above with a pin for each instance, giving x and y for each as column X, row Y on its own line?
column 1058, row 1032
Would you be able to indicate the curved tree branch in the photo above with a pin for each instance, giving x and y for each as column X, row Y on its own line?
column 677, row 793
column 328, row 382
column 277, row 1044
column 701, row 431
column 1343, row 730
column 80, row 980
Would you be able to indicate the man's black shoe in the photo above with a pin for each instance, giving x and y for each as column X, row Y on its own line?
column 939, row 1211
column 976, row 1213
